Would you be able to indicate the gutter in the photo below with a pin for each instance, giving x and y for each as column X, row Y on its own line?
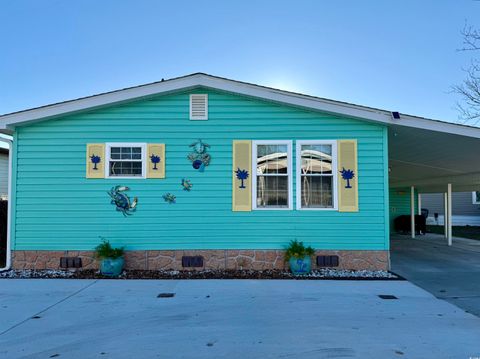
column 8, row 262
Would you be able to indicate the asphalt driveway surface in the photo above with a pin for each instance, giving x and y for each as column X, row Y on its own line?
column 230, row 319
column 449, row 273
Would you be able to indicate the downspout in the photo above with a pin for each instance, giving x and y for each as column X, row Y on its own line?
column 8, row 262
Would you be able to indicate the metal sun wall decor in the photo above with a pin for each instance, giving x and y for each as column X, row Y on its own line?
column 122, row 201
column 199, row 157
column 169, row 198
column 242, row 175
column 95, row 160
column 347, row 175
column 186, row 184
column 155, row 160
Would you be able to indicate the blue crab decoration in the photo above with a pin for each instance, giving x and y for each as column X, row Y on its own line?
column 186, row 184
column 122, row 201
column 169, row 198
column 199, row 157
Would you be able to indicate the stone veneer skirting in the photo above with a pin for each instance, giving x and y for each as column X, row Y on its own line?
column 213, row 259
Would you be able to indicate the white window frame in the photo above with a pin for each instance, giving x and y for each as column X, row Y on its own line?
column 474, row 198
column 108, row 147
column 298, row 168
column 289, row 174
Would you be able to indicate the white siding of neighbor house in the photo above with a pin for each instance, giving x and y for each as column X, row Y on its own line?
column 3, row 175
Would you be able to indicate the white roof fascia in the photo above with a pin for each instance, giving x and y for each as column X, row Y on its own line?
column 183, row 83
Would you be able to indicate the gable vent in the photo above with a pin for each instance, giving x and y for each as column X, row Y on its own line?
column 198, row 107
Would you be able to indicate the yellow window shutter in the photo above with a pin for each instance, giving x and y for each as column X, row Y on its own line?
column 95, row 160
column 347, row 176
column 242, row 178
column 156, row 160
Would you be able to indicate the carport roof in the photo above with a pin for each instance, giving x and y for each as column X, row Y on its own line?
column 423, row 152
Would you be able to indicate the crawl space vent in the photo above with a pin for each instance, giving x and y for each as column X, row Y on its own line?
column 198, row 107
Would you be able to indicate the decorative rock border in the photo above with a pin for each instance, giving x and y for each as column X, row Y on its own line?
column 258, row 260
column 322, row 274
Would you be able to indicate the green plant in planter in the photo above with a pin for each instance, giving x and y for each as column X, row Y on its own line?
column 111, row 259
column 298, row 257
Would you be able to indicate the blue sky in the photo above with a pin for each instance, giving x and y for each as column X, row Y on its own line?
column 396, row 55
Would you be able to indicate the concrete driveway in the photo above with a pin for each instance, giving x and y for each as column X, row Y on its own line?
column 230, row 319
column 449, row 273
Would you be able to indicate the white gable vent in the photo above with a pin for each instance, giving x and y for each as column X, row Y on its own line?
column 198, row 107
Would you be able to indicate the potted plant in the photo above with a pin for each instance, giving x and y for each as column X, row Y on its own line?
column 111, row 259
column 298, row 257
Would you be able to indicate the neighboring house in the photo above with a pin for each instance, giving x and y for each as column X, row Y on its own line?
column 223, row 169
column 465, row 208
column 3, row 174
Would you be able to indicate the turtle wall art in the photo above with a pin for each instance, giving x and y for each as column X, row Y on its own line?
column 199, row 157
column 122, row 201
column 169, row 198
column 186, row 184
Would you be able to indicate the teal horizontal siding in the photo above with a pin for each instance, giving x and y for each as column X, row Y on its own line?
column 56, row 208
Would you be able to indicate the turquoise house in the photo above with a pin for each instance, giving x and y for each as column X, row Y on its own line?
column 205, row 166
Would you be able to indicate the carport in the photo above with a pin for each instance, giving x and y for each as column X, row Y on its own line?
column 428, row 156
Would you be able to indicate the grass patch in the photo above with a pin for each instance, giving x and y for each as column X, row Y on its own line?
column 472, row 232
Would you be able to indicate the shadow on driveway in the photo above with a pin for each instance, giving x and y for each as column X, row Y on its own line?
column 449, row 273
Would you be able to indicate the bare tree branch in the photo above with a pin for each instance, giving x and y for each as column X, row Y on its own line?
column 469, row 90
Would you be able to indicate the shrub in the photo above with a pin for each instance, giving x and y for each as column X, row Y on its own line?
column 296, row 249
column 105, row 250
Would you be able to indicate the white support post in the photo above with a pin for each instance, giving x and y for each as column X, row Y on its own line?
column 445, row 211
column 419, row 200
column 412, row 211
column 449, row 214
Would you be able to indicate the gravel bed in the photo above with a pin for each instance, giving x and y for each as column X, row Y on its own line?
column 325, row 273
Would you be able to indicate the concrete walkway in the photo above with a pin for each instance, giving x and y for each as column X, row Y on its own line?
column 449, row 273
column 230, row 319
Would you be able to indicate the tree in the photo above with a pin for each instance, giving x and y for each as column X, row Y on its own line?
column 155, row 160
column 242, row 175
column 347, row 175
column 95, row 160
column 469, row 90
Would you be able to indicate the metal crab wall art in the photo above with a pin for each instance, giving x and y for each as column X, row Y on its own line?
column 199, row 157
column 122, row 201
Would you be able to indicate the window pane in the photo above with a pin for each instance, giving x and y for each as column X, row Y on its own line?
column 316, row 159
column 272, row 191
column 272, row 159
column 115, row 153
column 125, row 168
column 317, row 191
column 126, row 153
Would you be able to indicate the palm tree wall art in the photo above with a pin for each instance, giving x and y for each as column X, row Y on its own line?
column 242, row 175
column 95, row 160
column 347, row 175
column 155, row 160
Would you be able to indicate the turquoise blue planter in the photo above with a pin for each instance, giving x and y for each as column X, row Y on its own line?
column 112, row 267
column 299, row 266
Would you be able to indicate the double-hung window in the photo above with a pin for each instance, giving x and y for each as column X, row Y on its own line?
column 272, row 169
column 316, row 174
column 126, row 160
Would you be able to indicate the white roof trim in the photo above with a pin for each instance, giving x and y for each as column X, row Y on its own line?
column 9, row 121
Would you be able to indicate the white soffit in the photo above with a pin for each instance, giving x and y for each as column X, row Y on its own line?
column 429, row 160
